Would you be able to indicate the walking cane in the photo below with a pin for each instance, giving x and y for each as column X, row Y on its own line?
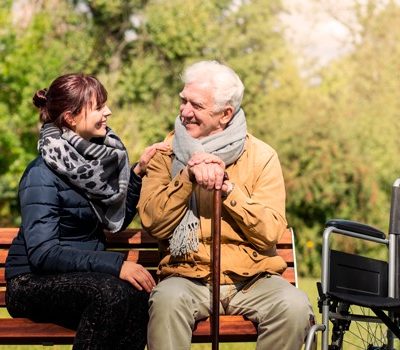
column 216, row 267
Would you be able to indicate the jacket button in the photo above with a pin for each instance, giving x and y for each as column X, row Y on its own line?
column 255, row 254
column 176, row 184
column 233, row 202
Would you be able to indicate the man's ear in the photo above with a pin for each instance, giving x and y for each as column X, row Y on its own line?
column 227, row 115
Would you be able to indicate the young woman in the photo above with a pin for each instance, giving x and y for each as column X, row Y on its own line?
column 80, row 185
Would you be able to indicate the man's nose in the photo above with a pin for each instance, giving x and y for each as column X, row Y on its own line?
column 187, row 110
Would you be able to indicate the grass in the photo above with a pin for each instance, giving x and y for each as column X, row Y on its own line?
column 306, row 284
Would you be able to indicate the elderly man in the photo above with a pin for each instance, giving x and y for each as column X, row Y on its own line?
column 210, row 139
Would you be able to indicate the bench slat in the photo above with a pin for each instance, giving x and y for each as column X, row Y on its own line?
column 7, row 235
column 2, row 298
column 25, row 331
column 146, row 258
column 131, row 238
column 3, row 256
column 2, row 277
column 228, row 330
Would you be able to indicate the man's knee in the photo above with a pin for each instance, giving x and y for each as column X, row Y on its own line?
column 168, row 297
column 295, row 306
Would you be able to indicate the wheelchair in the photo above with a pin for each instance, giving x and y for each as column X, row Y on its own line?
column 359, row 296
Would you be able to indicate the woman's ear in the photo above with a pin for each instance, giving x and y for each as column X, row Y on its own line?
column 69, row 119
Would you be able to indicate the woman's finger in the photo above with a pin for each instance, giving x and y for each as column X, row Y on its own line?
column 135, row 284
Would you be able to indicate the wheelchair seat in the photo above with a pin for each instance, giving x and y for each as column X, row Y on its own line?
column 384, row 303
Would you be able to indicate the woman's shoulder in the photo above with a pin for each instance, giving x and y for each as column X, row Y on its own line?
column 37, row 173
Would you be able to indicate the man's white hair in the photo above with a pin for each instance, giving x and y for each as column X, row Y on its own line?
column 227, row 88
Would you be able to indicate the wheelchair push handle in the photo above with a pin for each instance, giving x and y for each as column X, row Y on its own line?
column 355, row 226
column 394, row 223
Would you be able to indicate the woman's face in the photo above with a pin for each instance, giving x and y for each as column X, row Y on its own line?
column 92, row 121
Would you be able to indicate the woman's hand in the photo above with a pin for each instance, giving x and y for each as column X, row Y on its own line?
column 148, row 153
column 137, row 275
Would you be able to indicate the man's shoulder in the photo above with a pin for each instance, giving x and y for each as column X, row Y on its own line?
column 257, row 145
column 163, row 158
column 170, row 137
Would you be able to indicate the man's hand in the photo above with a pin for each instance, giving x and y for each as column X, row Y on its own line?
column 137, row 275
column 202, row 157
column 207, row 170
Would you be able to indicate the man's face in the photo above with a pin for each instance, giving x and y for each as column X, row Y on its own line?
column 197, row 111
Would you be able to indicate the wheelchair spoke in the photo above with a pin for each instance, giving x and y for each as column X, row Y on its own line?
column 359, row 328
column 372, row 330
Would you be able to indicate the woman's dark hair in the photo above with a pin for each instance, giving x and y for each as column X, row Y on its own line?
column 69, row 93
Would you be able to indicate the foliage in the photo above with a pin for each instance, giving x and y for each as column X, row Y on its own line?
column 337, row 138
column 354, row 136
column 53, row 43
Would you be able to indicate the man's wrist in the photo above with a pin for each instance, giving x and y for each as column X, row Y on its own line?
column 230, row 188
column 190, row 174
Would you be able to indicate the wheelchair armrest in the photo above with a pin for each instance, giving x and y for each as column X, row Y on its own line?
column 357, row 227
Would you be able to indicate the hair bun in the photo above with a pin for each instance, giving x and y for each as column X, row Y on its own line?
column 40, row 99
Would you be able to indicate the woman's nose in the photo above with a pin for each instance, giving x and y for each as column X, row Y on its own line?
column 106, row 111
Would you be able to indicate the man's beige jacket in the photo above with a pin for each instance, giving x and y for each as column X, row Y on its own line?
column 253, row 215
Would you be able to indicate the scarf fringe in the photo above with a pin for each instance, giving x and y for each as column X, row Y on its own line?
column 184, row 239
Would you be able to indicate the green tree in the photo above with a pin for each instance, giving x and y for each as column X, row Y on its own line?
column 52, row 43
column 347, row 145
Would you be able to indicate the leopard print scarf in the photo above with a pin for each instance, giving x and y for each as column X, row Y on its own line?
column 100, row 170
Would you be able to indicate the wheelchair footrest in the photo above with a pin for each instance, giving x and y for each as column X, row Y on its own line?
column 385, row 303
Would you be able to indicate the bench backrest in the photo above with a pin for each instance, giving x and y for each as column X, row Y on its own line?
column 142, row 248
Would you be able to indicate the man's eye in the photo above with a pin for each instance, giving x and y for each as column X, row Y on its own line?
column 196, row 106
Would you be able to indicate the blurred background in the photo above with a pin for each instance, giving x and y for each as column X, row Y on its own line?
column 322, row 85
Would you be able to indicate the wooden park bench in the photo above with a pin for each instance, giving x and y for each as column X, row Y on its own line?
column 141, row 248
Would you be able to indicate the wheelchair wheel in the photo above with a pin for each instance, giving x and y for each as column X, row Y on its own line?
column 356, row 327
